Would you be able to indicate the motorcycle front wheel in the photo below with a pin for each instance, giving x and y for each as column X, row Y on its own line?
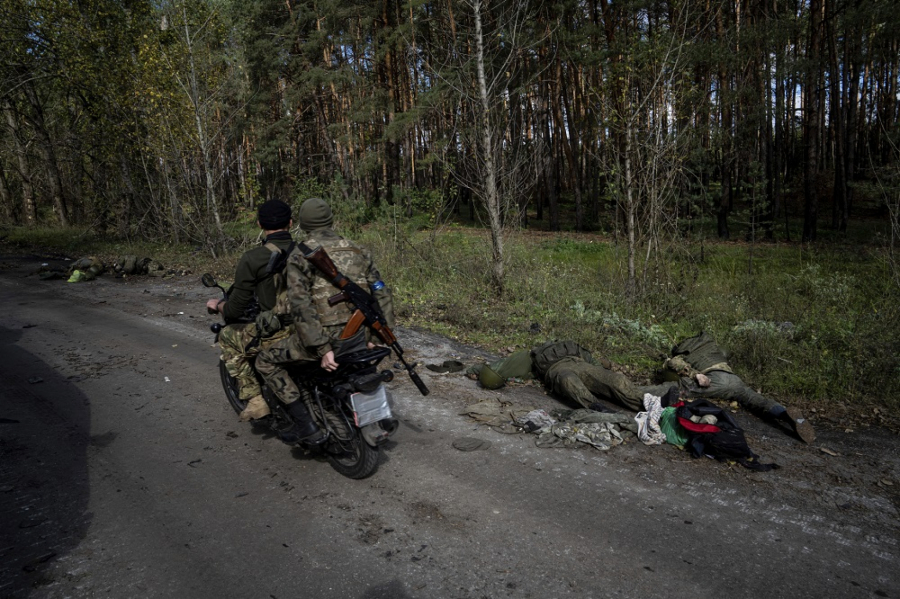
column 347, row 452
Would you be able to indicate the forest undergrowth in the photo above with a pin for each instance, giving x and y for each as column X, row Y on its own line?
column 812, row 325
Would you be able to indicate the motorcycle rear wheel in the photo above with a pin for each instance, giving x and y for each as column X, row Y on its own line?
column 348, row 453
column 232, row 393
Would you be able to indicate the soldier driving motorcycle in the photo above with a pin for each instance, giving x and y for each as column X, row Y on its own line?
column 254, row 282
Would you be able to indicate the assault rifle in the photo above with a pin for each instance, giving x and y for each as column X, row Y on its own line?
column 367, row 311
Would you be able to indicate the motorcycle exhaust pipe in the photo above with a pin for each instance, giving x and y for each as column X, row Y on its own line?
column 390, row 425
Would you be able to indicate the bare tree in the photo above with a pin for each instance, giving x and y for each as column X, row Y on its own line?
column 204, row 78
column 647, row 162
column 24, row 170
column 480, row 69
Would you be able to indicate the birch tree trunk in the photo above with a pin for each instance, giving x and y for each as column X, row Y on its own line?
column 205, row 146
column 491, row 192
column 28, row 206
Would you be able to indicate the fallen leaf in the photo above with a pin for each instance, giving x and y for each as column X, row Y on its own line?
column 885, row 481
column 828, row 451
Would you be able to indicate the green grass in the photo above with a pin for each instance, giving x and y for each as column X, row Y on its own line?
column 809, row 325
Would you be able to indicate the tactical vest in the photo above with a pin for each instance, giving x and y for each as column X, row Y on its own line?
column 552, row 352
column 350, row 261
column 702, row 353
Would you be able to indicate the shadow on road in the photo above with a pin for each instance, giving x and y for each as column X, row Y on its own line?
column 389, row 590
column 44, row 486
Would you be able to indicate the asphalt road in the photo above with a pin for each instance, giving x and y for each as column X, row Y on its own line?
column 124, row 473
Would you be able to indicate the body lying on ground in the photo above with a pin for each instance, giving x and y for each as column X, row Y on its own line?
column 698, row 368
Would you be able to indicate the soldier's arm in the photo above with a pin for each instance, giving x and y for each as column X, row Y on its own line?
column 242, row 291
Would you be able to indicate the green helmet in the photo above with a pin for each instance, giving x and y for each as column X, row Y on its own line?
column 489, row 379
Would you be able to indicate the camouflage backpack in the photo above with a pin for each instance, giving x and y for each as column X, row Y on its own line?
column 271, row 321
column 552, row 352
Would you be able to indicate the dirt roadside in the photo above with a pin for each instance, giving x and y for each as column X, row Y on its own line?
column 852, row 471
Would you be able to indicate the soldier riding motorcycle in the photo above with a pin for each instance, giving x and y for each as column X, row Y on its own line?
column 350, row 405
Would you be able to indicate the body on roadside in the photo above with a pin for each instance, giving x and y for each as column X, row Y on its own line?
column 571, row 372
column 701, row 368
column 698, row 368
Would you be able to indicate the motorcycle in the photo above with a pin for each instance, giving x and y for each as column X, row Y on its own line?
column 351, row 404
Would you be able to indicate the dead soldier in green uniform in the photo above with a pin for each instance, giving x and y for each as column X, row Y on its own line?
column 698, row 368
column 702, row 370
column 240, row 342
column 570, row 371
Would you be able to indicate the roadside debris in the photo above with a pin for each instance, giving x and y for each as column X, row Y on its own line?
column 86, row 269
column 132, row 265
column 470, row 444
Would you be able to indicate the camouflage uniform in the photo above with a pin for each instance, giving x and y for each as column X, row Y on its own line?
column 234, row 341
column 318, row 326
column 86, row 269
column 250, row 279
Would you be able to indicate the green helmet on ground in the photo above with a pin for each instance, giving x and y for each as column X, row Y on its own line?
column 489, row 379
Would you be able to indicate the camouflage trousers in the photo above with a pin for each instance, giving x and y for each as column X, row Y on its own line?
column 233, row 342
column 584, row 383
column 730, row 387
column 273, row 359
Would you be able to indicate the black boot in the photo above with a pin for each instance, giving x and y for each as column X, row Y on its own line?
column 304, row 429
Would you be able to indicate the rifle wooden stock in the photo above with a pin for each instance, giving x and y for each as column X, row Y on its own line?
column 321, row 260
column 357, row 320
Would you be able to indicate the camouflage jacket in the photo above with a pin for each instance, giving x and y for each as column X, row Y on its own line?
column 318, row 324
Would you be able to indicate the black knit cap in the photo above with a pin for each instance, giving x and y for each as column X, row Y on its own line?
column 274, row 215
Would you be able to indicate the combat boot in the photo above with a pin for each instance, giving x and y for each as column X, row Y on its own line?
column 256, row 408
column 801, row 425
column 304, row 429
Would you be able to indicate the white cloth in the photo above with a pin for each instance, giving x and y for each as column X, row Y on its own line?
column 648, row 422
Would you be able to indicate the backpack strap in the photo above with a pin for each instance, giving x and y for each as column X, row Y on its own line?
column 279, row 257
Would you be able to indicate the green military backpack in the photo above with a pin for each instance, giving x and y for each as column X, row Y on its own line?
column 546, row 355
